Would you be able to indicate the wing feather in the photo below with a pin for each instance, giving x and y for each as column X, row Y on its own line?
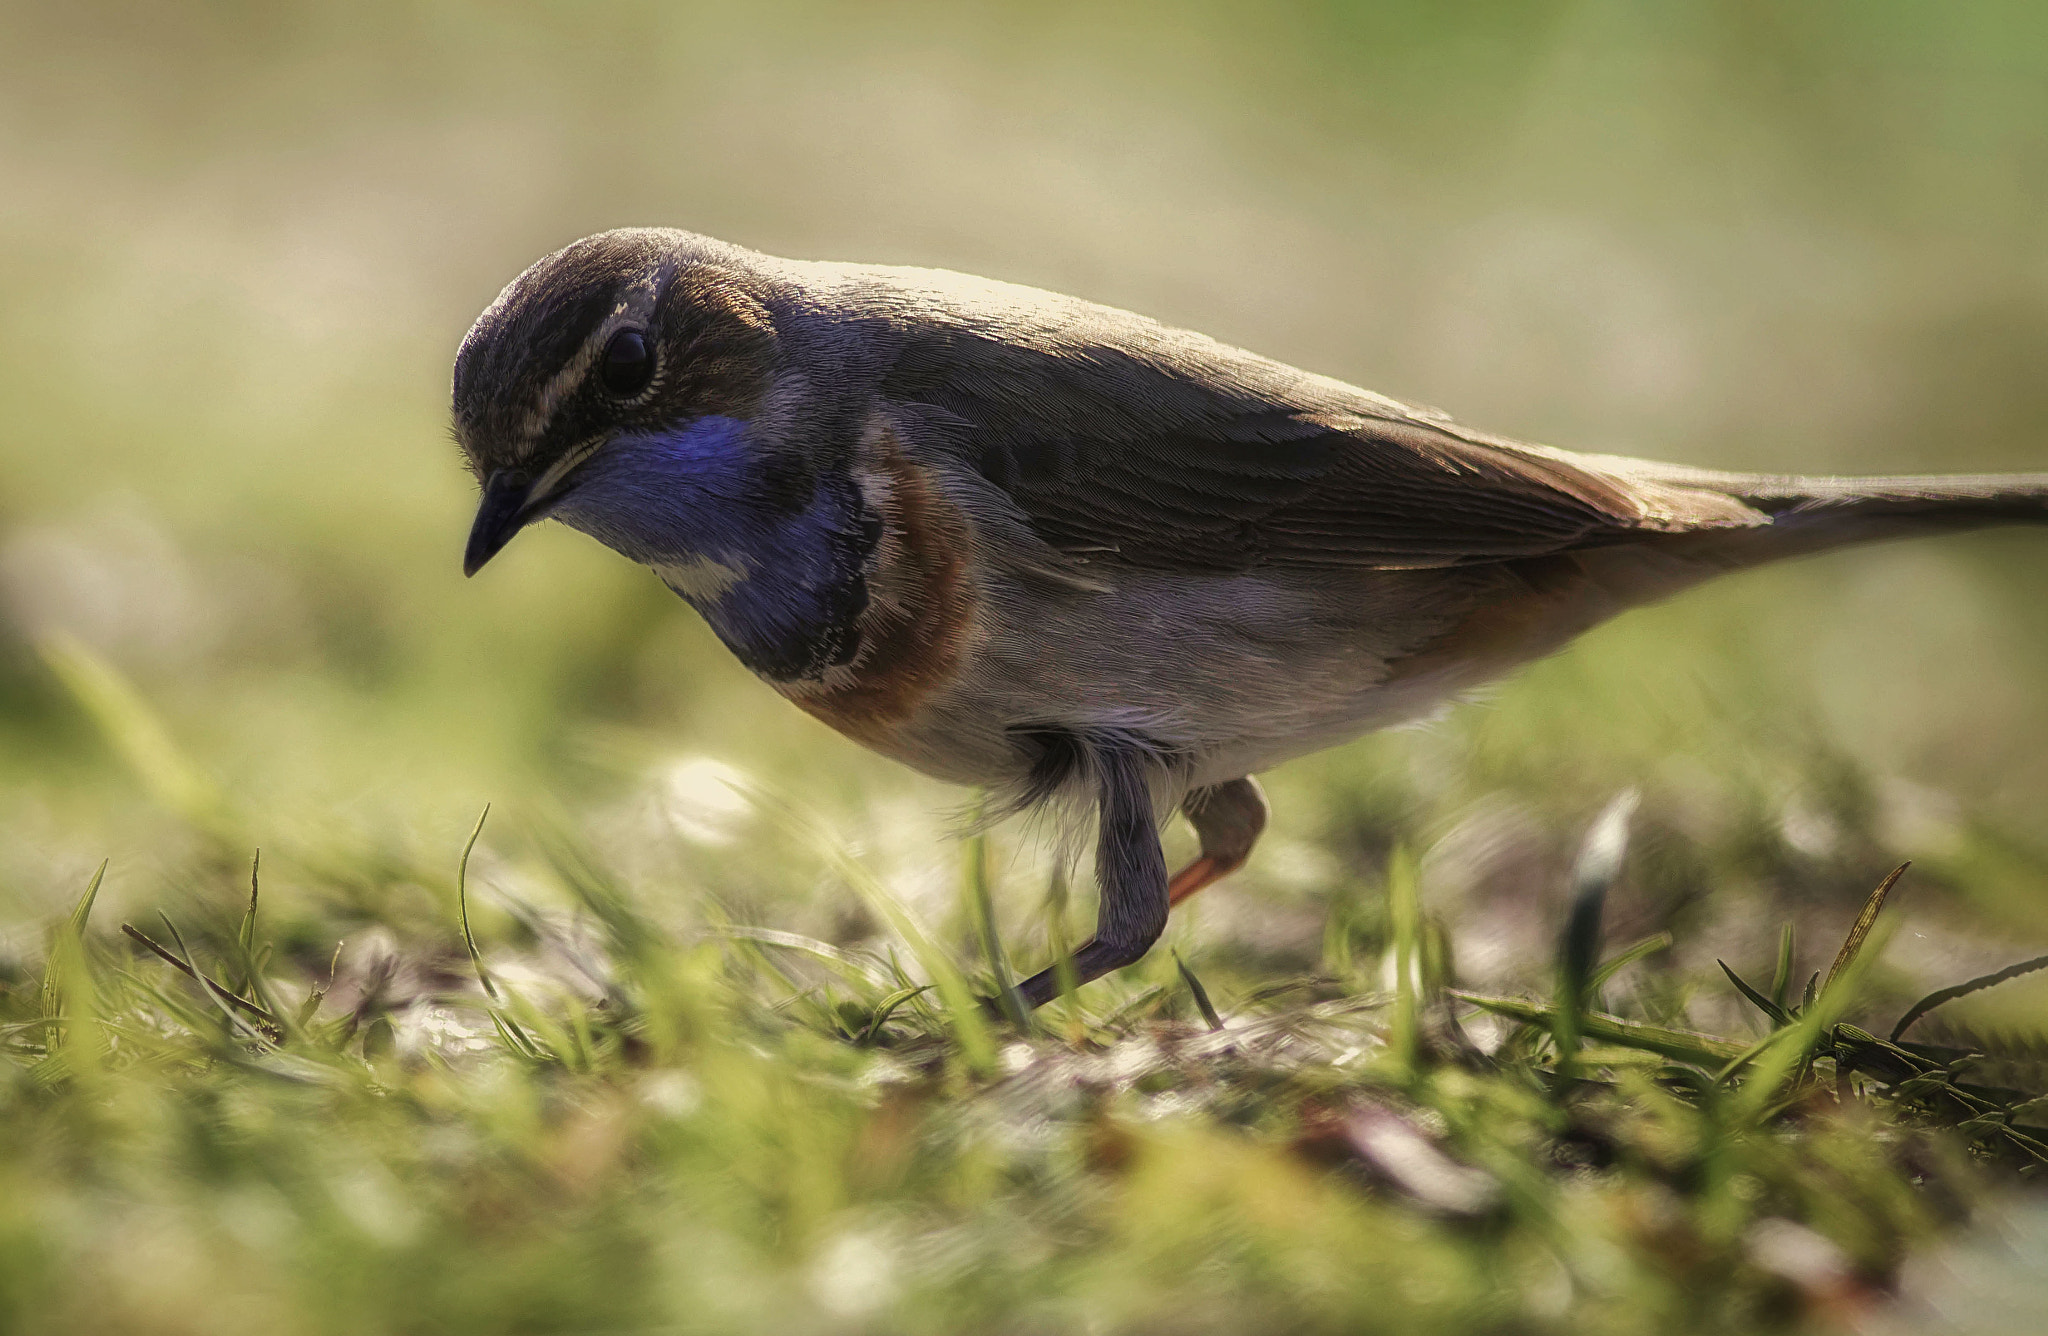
column 1123, row 440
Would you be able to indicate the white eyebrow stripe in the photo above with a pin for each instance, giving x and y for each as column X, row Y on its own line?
column 635, row 306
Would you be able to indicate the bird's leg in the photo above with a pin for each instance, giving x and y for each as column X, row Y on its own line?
column 1130, row 870
column 1228, row 817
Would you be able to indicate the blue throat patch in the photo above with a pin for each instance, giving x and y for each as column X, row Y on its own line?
column 781, row 585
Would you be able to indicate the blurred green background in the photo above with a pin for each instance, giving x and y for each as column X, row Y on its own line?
column 240, row 242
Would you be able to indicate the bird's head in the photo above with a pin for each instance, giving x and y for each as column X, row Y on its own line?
column 623, row 336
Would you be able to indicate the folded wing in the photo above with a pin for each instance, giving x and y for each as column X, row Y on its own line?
column 1125, row 441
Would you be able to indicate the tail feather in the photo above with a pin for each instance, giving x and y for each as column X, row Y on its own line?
column 1991, row 498
column 1818, row 514
column 1800, row 515
column 1793, row 517
column 1555, row 598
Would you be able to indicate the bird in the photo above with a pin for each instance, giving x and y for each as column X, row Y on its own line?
column 1071, row 555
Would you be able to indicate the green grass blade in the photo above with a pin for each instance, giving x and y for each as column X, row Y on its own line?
column 75, row 922
column 1781, row 977
column 1777, row 1014
column 1790, row 1048
column 963, row 1009
column 887, row 1008
column 1649, row 946
column 247, row 934
column 132, row 728
column 1201, row 994
column 1133, row 1006
column 1701, row 1050
column 981, row 907
column 316, row 994
column 476, row 958
column 1404, row 914
column 1978, row 984
column 66, row 972
column 1061, row 942
column 1734, row 1066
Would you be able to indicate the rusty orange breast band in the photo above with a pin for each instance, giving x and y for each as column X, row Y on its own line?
column 921, row 606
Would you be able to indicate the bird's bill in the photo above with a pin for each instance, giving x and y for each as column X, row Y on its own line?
column 503, row 512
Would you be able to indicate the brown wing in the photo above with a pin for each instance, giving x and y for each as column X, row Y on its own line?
column 1143, row 445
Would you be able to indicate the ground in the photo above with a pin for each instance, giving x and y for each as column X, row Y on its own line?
column 545, row 1098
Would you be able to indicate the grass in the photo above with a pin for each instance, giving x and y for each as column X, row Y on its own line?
column 591, row 1121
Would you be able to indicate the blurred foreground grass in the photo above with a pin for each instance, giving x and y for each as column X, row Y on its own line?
column 588, row 1120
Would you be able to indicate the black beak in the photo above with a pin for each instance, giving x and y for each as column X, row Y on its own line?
column 500, row 515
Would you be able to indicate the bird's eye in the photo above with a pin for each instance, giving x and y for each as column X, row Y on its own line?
column 628, row 364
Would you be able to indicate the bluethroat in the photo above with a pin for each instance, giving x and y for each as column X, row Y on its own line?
column 1019, row 540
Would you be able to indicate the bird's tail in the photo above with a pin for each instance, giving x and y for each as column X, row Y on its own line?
column 1546, row 601
column 1856, row 509
column 1798, row 516
column 1790, row 517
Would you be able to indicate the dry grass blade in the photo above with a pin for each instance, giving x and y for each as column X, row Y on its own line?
column 268, row 1030
column 850, row 963
column 171, row 958
column 1854, row 942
